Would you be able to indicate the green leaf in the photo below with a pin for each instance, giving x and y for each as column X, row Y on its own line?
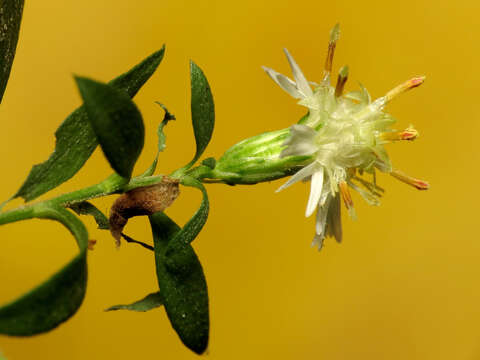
column 149, row 302
column 166, row 118
column 58, row 298
column 69, row 156
column 128, row 239
column 184, row 292
column 116, row 122
column 203, row 111
column 86, row 208
column 150, row 170
column 10, row 19
column 161, row 139
column 209, row 162
column 193, row 227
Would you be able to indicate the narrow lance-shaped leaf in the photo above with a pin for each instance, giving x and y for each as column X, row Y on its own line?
column 166, row 119
column 191, row 229
column 86, row 208
column 184, row 291
column 161, row 139
column 203, row 111
column 75, row 139
column 116, row 122
column 209, row 162
column 149, row 302
column 129, row 240
column 58, row 298
column 10, row 19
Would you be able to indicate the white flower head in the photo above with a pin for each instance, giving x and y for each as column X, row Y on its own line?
column 346, row 134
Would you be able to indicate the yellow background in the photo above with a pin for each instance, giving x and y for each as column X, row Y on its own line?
column 403, row 284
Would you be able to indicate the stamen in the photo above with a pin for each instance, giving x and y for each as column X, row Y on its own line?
column 342, row 79
column 334, row 35
column 369, row 197
column 407, row 85
column 347, row 199
column 373, row 188
column 407, row 134
column 419, row 184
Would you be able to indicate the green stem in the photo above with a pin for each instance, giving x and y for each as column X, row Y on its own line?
column 200, row 172
column 20, row 213
column 113, row 184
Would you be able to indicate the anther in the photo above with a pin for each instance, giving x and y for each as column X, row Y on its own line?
column 416, row 183
column 407, row 134
column 347, row 199
column 407, row 85
column 334, row 35
column 341, row 80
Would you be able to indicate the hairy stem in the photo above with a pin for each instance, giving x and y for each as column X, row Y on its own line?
column 111, row 185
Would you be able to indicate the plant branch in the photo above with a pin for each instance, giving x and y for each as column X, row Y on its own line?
column 112, row 185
